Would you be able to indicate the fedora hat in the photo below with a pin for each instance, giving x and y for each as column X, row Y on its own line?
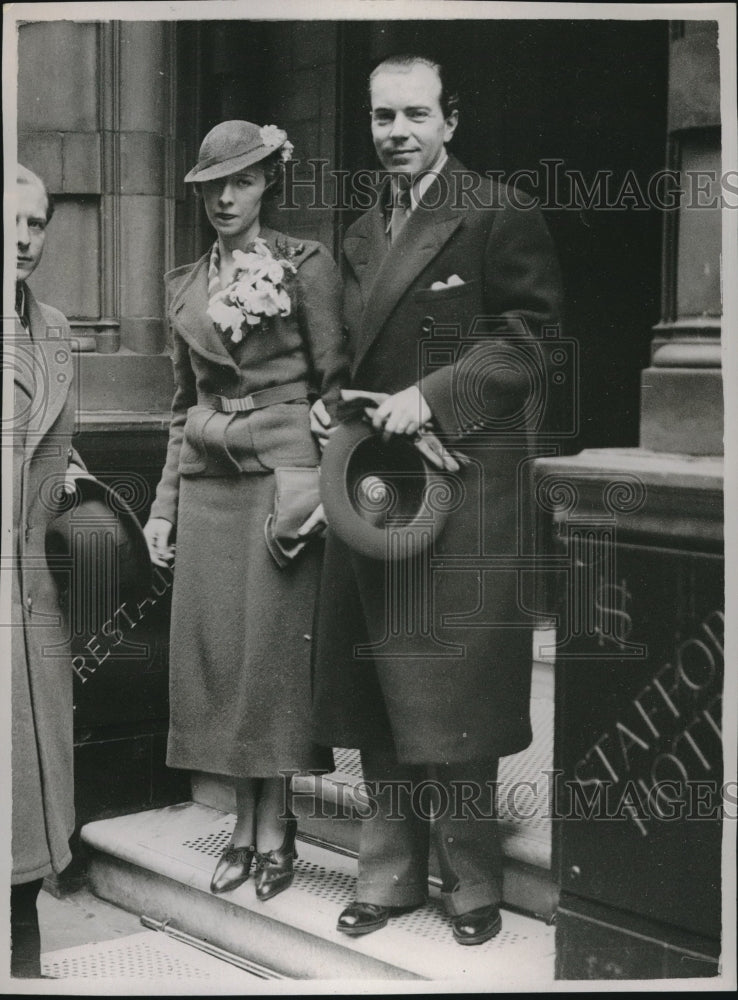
column 234, row 145
column 97, row 553
column 381, row 498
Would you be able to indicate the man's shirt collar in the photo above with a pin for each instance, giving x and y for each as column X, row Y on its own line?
column 423, row 181
column 418, row 187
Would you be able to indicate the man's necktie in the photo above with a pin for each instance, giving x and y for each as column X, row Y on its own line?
column 400, row 212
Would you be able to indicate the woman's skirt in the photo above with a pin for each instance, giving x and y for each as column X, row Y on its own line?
column 240, row 677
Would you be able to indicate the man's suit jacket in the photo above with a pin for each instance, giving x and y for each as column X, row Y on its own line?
column 449, row 643
column 42, row 771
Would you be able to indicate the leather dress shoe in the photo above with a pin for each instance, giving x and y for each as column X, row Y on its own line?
column 477, row 926
column 275, row 869
column 232, row 869
column 363, row 918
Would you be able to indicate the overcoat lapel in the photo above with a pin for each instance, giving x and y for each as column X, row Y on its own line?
column 18, row 356
column 385, row 274
column 54, row 363
column 365, row 248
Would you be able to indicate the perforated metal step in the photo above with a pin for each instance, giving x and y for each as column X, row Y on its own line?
column 161, row 862
column 337, row 888
column 148, row 956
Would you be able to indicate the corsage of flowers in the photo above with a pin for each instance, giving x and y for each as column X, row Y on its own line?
column 257, row 291
column 272, row 136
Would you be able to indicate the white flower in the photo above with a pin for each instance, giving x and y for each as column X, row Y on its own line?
column 227, row 317
column 256, row 291
column 286, row 151
column 272, row 136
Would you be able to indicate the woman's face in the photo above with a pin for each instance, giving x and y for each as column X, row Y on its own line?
column 233, row 203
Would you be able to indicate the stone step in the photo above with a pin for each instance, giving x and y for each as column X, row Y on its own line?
column 160, row 862
column 326, row 806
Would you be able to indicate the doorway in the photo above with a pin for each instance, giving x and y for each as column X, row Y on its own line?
column 592, row 96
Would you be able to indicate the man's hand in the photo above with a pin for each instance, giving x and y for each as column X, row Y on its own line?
column 320, row 422
column 157, row 531
column 403, row 413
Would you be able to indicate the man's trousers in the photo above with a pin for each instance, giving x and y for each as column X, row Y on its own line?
column 406, row 807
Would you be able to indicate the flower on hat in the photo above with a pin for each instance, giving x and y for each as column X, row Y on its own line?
column 273, row 136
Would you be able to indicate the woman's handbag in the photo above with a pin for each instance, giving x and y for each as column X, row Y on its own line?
column 296, row 497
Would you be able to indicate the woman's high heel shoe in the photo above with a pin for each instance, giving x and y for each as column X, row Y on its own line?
column 233, row 868
column 275, row 869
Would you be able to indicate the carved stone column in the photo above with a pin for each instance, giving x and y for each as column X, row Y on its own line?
column 640, row 608
column 681, row 391
column 137, row 129
column 96, row 120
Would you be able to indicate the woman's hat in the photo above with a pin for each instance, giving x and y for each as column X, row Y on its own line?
column 235, row 145
column 383, row 499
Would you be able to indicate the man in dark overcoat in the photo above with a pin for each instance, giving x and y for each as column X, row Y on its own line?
column 44, row 464
column 425, row 665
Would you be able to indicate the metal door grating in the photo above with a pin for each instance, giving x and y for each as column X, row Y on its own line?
column 146, row 956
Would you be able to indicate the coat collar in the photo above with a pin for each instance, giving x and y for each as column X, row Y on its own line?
column 188, row 312
column 47, row 340
column 188, row 288
column 384, row 274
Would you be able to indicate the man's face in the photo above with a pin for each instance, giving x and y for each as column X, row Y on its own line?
column 30, row 226
column 408, row 127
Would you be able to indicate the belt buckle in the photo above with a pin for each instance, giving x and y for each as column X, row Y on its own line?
column 243, row 405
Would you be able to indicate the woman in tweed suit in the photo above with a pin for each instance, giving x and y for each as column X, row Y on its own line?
column 242, row 609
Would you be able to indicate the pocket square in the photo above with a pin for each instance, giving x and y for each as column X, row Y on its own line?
column 437, row 286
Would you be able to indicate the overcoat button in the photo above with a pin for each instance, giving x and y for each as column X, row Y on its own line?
column 29, row 603
column 426, row 324
column 70, row 454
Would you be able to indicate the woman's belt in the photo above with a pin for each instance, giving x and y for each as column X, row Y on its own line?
column 258, row 400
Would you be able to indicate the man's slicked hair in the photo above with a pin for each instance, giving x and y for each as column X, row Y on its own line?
column 26, row 176
column 449, row 99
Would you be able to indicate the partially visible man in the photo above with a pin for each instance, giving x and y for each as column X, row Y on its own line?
column 44, row 464
column 433, row 702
